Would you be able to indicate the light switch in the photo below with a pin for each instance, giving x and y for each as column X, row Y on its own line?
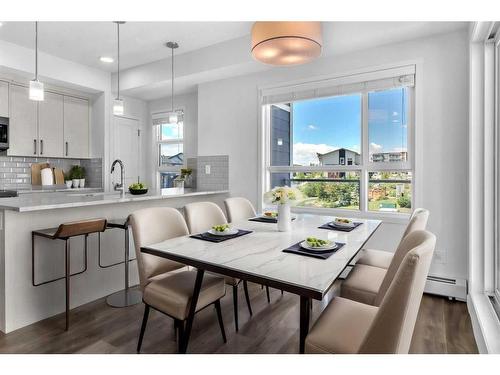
column 207, row 169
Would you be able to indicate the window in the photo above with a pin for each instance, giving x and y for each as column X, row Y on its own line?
column 170, row 148
column 350, row 151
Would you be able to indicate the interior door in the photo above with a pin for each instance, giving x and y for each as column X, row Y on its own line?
column 126, row 148
column 51, row 125
column 76, row 127
column 23, row 129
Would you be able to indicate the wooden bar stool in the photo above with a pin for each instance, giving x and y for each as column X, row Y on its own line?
column 65, row 232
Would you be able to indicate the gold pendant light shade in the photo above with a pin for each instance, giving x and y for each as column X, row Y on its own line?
column 286, row 43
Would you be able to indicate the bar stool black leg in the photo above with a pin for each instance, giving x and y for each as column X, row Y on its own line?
column 67, row 274
column 268, row 296
column 143, row 327
column 235, row 306
column 247, row 297
column 221, row 322
column 180, row 327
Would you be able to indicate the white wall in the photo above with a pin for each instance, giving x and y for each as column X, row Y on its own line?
column 228, row 110
column 188, row 103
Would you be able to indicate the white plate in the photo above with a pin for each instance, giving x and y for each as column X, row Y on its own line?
column 227, row 232
column 342, row 225
column 328, row 247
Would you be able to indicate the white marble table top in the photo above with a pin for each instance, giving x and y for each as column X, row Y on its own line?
column 259, row 255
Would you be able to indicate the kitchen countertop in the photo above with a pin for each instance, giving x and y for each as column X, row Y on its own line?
column 54, row 200
column 56, row 189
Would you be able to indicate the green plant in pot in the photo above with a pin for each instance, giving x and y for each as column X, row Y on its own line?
column 186, row 177
column 77, row 176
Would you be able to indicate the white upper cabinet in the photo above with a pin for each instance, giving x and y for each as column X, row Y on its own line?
column 23, row 129
column 76, row 127
column 51, row 125
column 4, row 99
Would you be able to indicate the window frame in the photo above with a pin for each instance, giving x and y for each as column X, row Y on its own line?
column 363, row 168
column 157, row 142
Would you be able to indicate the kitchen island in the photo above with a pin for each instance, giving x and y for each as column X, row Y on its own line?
column 20, row 302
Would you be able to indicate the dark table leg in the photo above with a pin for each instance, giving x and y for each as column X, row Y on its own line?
column 192, row 308
column 305, row 314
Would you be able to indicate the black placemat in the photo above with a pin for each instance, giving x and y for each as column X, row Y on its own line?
column 297, row 249
column 261, row 219
column 342, row 229
column 213, row 238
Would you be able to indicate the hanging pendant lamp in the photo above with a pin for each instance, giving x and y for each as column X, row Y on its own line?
column 173, row 116
column 36, row 91
column 286, row 43
column 118, row 108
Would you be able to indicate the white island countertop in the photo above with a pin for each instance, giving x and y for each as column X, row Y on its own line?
column 50, row 201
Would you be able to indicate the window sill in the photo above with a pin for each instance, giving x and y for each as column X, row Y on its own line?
column 396, row 218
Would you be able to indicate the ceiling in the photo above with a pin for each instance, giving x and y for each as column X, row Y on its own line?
column 140, row 42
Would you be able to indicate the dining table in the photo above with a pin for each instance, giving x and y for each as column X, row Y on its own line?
column 259, row 257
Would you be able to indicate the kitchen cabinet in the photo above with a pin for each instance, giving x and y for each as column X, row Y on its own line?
column 4, row 99
column 51, row 125
column 23, row 125
column 76, row 127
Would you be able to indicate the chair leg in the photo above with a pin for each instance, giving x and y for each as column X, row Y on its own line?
column 180, row 328
column 235, row 306
column 247, row 297
column 221, row 322
column 268, row 296
column 143, row 327
column 281, row 291
column 67, row 277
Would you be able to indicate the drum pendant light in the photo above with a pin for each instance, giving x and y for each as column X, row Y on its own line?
column 173, row 116
column 118, row 108
column 36, row 87
column 286, row 43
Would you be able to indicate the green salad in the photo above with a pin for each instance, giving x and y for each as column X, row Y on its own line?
column 137, row 186
column 317, row 242
column 220, row 228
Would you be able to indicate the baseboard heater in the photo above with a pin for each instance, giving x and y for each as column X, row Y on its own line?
column 443, row 286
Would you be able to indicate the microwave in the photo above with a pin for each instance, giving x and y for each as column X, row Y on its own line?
column 4, row 133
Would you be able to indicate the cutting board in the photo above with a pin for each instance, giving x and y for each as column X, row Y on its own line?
column 58, row 176
column 36, row 177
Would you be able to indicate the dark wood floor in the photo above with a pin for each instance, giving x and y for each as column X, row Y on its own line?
column 443, row 326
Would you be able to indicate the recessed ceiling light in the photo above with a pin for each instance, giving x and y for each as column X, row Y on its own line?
column 106, row 59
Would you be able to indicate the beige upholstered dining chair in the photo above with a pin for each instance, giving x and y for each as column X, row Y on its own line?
column 347, row 326
column 239, row 208
column 163, row 290
column 382, row 259
column 364, row 283
column 200, row 217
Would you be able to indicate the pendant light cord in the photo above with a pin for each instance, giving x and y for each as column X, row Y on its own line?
column 172, row 79
column 36, row 50
column 118, row 32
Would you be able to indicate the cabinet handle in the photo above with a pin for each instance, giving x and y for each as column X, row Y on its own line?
column 66, row 148
column 34, row 146
column 41, row 146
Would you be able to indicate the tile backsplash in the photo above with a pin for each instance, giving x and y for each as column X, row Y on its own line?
column 218, row 178
column 15, row 171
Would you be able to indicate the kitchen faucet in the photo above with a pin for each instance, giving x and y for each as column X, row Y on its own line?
column 119, row 187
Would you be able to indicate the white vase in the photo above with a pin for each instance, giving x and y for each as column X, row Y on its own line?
column 81, row 183
column 284, row 218
column 68, row 183
column 76, row 182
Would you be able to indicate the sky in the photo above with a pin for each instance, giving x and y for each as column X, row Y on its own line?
column 323, row 125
